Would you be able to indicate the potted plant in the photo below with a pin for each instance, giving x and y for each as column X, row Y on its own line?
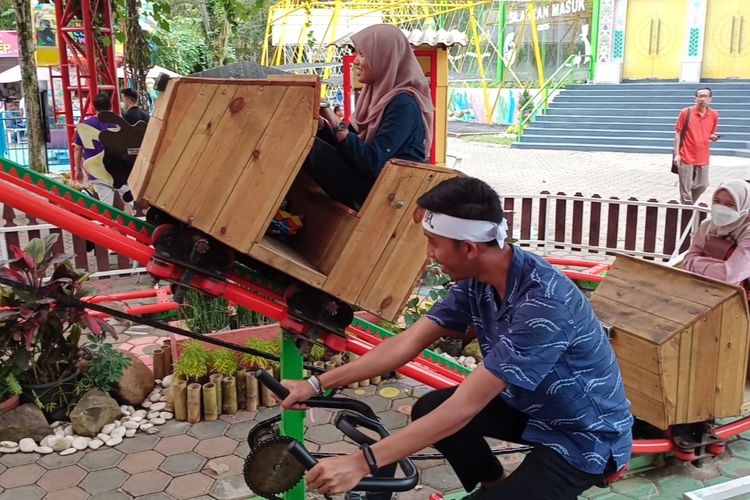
column 193, row 363
column 39, row 333
column 223, row 361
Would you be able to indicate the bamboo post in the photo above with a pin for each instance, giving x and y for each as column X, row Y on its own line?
column 229, row 395
column 375, row 380
column 210, row 411
column 337, row 359
column 330, row 365
column 194, row 403
column 240, row 379
column 158, row 364
column 252, row 392
column 170, row 401
column 266, row 395
column 167, row 360
column 352, row 358
column 364, row 383
column 215, row 379
column 179, row 394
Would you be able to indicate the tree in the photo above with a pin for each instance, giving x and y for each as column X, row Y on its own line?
column 30, row 85
column 137, row 53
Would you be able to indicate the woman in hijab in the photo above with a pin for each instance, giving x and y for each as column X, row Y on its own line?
column 721, row 247
column 393, row 118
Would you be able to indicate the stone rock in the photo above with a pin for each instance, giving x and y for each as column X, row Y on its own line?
column 146, row 426
column 45, row 441
column 472, row 350
column 102, row 437
column 95, row 444
column 26, row 421
column 69, row 451
column 146, row 404
column 158, row 406
column 95, row 410
column 130, row 433
column 119, row 432
column 158, row 421
column 68, row 430
column 136, row 419
column 8, row 444
column 166, row 415
column 167, row 381
column 43, row 450
column 114, row 441
column 136, row 383
column 130, row 425
column 107, row 429
column 59, row 443
column 79, row 443
column 154, row 397
column 56, row 424
column 27, row 445
column 70, row 439
column 8, row 450
column 151, row 430
column 139, row 414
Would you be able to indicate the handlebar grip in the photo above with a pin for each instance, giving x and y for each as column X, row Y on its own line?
column 266, row 379
column 301, row 454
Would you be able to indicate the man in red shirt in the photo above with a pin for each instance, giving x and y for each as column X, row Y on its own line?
column 692, row 150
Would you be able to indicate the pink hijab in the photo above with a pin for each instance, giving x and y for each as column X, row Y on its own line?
column 390, row 56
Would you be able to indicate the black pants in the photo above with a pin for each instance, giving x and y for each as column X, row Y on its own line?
column 335, row 175
column 543, row 475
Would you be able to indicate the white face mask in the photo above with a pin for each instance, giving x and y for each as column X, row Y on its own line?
column 723, row 216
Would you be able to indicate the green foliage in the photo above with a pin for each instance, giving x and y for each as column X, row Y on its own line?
column 107, row 365
column 432, row 287
column 9, row 386
column 223, row 361
column 182, row 46
column 317, row 352
column 206, row 314
column 193, row 363
column 37, row 333
column 269, row 346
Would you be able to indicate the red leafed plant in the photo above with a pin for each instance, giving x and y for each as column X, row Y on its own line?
column 39, row 334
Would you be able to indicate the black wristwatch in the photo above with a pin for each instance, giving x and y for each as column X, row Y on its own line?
column 369, row 458
column 341, row 127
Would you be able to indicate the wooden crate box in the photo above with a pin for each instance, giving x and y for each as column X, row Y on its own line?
column 681, row 341
column 221, row 155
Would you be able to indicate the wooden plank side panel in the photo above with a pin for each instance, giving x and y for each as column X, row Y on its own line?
column 648, row 409
column 227, row 153
column 390, row 284
column 685, row 370
column 249, row 208
column 183, row 143
column 733, row 354
column 635, row 350
column 669, row 369
column 704, row 360
column 383, row 210
column 283, row 258
column 633, row 321
column 643, row 381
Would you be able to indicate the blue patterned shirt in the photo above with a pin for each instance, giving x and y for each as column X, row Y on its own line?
column 545, row 342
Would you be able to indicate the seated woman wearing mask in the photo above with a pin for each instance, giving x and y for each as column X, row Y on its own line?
column 721, row 247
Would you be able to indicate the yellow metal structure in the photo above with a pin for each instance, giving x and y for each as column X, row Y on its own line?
column 727, row 46
column 655, row 39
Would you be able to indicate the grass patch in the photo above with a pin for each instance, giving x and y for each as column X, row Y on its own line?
column 490, row 139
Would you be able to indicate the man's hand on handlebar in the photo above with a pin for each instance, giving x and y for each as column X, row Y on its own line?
column 335, row 475
column 299, row 392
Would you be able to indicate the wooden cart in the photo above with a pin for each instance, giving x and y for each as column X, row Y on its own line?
column 222, row 155
column 681, row 341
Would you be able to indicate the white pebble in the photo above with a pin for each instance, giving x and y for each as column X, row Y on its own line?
column 152, row 414
column 107, row 429
column 69, row 439
column 157, row 381
column 461, row 359
column 68, row 431
column 167, row 381
column 130, row 432
column 470, row 360
column 59, row 431
column 55, row 424
column 158, row 421
column 117, row 423
column 163, row 399
column 114, row 441
column 130, row 425
column 158, row 406
column 136, row 419
column 43, row 450
column 119, row 432
column 146, row 404
column 139, row 413
column 166, row 415
column 79, row 443
column 59, row 443
column 154, row 397
column 102, row 437
column 27, row 445
column 151, row 430
column 46, row 440
column 8, row 450
column 8, row 444
column 96, row 444
column 146, row 426
column 68, row 451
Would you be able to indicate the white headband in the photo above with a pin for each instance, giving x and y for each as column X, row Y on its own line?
column 478, row 231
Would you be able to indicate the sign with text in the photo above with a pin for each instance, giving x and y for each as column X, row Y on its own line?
column 8, row 44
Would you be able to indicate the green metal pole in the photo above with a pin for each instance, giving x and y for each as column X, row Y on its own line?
column 594, row 39
column 292, row 422
column 500, row 74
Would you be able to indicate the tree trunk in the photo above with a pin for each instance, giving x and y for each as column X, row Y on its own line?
column 30, row 86
column 137, row 53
